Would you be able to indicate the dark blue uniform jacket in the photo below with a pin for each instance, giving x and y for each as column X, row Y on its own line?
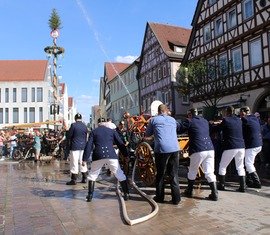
column 232, row 133
column 198, row 132
column 252, row 131
column 77, row 136
column 101, row 141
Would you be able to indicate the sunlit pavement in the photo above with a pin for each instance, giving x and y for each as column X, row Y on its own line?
column 34, row 199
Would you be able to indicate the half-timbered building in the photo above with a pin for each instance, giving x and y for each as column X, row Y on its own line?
column 233, row 38
column 162, row 51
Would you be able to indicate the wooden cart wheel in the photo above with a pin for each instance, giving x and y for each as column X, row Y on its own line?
column 146, row 163
column 124, row 164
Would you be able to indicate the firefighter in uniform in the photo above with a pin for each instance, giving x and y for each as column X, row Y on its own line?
column 201, row 152
column 101, row 143
column 234, row 148
column 77, row 137
column 253, row 143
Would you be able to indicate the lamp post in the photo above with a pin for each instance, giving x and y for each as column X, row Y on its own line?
column 54, row 51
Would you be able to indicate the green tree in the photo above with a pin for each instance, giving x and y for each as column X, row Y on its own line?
column 54, row 21
column 202, row 82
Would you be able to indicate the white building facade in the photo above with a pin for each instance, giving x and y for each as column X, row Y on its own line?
column 25, row 92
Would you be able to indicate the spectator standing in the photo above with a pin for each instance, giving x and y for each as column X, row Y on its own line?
column 234, row 148
column 13, row 142
column 37, row 145
column 166, row 150
column 101, row 143
column 253, row 144
column 2, row 146
column 77, row 138
column 266, row 142
column 201, row 151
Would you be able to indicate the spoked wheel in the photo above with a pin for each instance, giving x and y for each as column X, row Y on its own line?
column 145, row 163
column 124, row 164
column 17, row 155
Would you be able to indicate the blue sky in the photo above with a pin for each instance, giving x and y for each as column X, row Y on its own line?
column 93, row 32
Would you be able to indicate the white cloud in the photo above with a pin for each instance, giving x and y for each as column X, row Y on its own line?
column 126, row 59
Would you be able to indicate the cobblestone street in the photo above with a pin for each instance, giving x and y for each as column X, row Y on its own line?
column 34, row 199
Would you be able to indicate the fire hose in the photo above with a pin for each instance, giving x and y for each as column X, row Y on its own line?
column 153, row 204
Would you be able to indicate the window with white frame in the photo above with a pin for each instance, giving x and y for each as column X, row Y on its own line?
column 14, row 95
column 154, row 75
column 255, row 52
column 33, row 94
column 25, row 119
column 1, row 116
column 6, row 115
column 223, row 65
column 40, row 114
column 165, row 97
column 211, row 2
column 218, row 27
column 0, row 95
column 147, row 80
column 164, row 71
column 207, row 33
column 248, row 9
column 237, row 64
column 178, row 49
column 39, row 94
column 7, row 95
column 159, row 73
column 15, row 115
column 232, row 21
column 32, row 114
column 211, row 68
column 24, row 94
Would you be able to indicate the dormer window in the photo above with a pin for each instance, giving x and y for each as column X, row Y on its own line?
column 178, row 49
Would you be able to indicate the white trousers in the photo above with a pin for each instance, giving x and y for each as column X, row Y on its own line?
column 226, row 158
column 76, row 162
column 250, row 155
column 207, row 160
column 113, row 165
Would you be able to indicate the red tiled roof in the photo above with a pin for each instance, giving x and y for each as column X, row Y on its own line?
column 111, row 69
column 23, row 70
column 167, row 34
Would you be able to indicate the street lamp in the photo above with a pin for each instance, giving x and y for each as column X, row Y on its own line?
column 54, row 51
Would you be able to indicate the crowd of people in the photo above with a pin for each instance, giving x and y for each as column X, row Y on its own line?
column 44, row 142
column 212, row 146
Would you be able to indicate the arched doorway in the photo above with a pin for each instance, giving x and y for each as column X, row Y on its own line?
column 262, row 105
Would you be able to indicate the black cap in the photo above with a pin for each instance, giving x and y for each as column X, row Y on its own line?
column 101, row 120
column 78, row 116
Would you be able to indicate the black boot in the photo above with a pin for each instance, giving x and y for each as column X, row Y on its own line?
column 189, row 190
column 91, row 186
column 73, row 180
column 84, row 177
column 249, row 181
column 256, row 180
column 124, row 186
column 214, row 192
column 221, row 183
column 242, row 181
